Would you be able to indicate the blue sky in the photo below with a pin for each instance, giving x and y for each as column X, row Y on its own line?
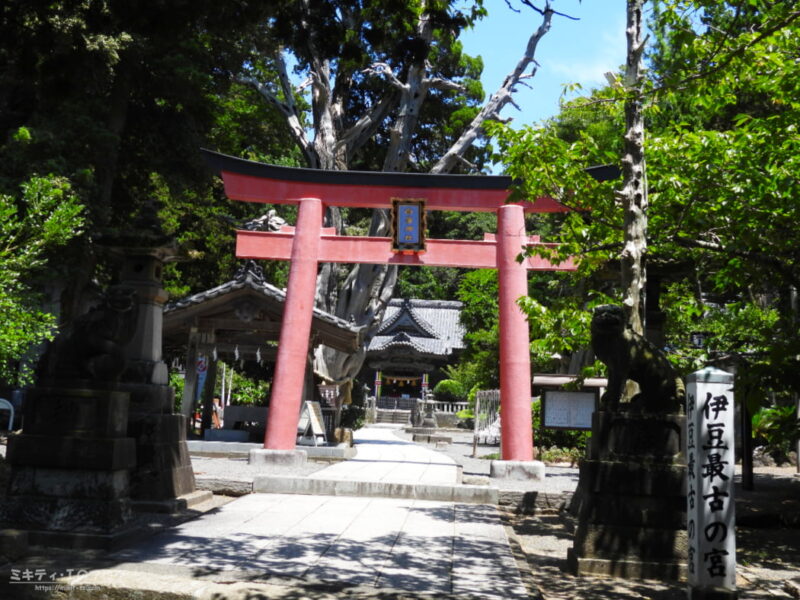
column 571, row 52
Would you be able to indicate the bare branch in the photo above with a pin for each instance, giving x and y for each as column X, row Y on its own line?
column 288, row 109
column 503, row 96
column 381, row 68
column 472, row 166
column 308, row 82
column 355, row 137
column 286, row 84
column 446, row 85
column 414, row 92
column 546, row 9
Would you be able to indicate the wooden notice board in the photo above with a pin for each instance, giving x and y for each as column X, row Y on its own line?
column 568, row 410
column 310, row 426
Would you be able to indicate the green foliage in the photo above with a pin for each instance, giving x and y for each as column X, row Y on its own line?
column 45, row 216
column 776, row 428
column 554, row 454
column 559, row 328
column 722, row 160
column 465, row 414
column 429, row 283
column 739, row 330
column 177, row 382
column 449, row 390
column 353, row 416
column 245, row 390
column 120, row 101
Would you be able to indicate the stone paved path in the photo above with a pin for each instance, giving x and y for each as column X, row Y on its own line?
column 382, row 456
column 415, row 546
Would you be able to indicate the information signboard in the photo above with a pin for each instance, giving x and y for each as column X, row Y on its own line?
column 310, row 426
column 568, row 410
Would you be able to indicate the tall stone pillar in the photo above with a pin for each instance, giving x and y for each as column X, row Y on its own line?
column 163, row 472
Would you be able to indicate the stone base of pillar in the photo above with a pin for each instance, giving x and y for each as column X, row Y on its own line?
column 631, row 498
column 710, row 593
column 520, row 470
column 164, row 469
column 280, row 458
column 625, row 569
column 70, row 468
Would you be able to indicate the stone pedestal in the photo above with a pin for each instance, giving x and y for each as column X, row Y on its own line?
column 163, row 470
column 69, row 484
column 631, row 498
column 520, row 470
column 278, row 458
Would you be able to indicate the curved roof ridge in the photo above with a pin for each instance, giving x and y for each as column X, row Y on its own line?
column 424, row 303
column 394, row 342
column 248, row 278
column 407, row 308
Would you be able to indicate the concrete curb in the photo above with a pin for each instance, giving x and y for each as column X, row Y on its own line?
column 214, row 447
column 465, row 494
column 226, row 487
column 145, row 584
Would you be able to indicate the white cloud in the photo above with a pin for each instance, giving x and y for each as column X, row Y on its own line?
column 588, row 64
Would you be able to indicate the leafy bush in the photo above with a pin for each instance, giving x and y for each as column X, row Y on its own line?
column 45, row 216
column 776, row 428
column 561, row 455
column 177, row 381
column 352, row 416
column 249, row 392
column 449, row 390
column 466, row 418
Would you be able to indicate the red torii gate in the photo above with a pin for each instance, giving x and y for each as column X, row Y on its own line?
column 308, row 243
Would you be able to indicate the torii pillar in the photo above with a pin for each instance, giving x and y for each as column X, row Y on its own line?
column 307, row 244
column 290, row 364
column 516, row 430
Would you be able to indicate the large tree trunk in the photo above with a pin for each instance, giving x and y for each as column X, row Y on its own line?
column 634, row 192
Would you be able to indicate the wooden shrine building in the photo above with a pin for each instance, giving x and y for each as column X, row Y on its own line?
column 415, row 340
column 240, row 321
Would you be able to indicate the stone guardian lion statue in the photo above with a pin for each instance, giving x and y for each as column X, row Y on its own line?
column 628, row 355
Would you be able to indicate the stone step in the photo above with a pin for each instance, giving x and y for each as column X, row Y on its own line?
column 466, row 494
column 277, row 484
column 173, row 505
column 393, row 416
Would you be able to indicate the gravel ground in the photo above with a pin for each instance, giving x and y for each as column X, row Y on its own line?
column 238, row 469
column 558, row 478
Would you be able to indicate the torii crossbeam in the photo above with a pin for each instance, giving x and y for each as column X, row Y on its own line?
column 308, row 244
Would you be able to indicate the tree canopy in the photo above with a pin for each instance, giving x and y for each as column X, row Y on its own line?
column 721, row 109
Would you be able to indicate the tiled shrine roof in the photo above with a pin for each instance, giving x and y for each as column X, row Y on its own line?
column 248, row 295
column 430, row 327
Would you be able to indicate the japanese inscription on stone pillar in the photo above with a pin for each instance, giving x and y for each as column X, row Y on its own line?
column 710, row 460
